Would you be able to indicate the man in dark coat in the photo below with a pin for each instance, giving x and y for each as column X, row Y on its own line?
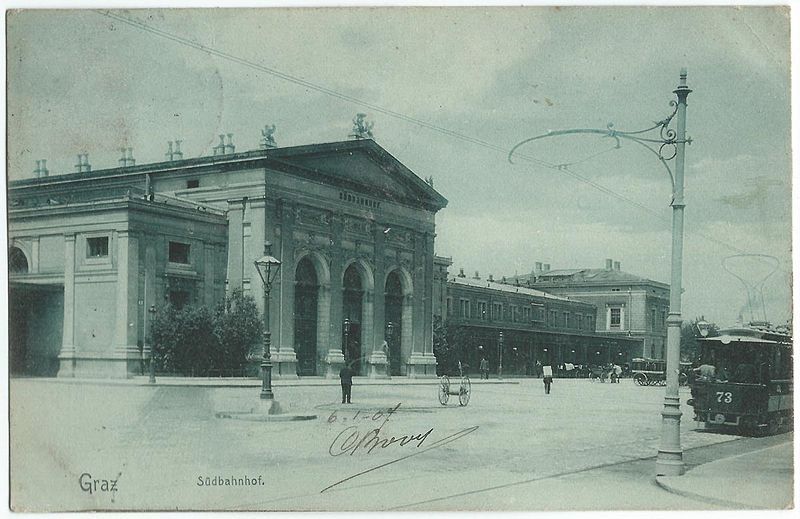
column 346, row 375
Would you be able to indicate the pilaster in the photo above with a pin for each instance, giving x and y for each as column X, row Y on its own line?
column 335, row 358
column 285, row 358
column 67, row 354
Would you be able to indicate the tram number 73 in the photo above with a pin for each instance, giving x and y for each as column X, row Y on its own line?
column 724, row 397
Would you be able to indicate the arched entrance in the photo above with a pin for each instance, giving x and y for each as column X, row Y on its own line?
column 394, row 321
column 352, row 312
column 306, row 302
column 17, row 262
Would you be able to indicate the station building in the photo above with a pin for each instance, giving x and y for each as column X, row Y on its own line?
column 92, row 251
column 629, row 306
column 517, row 325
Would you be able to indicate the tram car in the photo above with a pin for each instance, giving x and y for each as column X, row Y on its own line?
column 653, row 372
column 751, row 386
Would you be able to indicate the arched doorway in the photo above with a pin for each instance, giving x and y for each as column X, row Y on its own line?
column 17, row 262
column 394, row 321
column 306, row 301
column 352, row 311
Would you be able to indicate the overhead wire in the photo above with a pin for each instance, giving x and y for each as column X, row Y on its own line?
column 561, row 168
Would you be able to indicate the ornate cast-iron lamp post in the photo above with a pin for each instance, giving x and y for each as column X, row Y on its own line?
column 267, row 267
column 668, row 144
column 152, row 367
column 389, row 342
column 500, row 343
column 346, row 326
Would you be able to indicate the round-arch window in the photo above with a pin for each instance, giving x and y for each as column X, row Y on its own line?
column 17, row 262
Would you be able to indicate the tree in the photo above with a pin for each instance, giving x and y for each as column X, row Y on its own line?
column 237, row 327
column 195, row 341
column 690, row 349
column 183, row 340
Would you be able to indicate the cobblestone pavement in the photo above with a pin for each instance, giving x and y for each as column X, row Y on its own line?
column 586, row 446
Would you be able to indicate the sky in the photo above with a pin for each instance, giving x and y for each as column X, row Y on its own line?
column 82, row 82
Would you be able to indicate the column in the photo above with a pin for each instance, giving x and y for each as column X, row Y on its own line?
column 282, row 304
column 335, row 358
column 377, row 358
column 125, row 330
column 420, row 362
column 67, row 354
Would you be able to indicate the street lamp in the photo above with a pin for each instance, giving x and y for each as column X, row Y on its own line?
column 346, row 349
column 267, row 267
column 500, row 342
column 389, row 339
column 666, row 145
column 152, row 366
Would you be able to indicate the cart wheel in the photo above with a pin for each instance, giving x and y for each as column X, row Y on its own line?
column 444, row 389
column 464, row 391
column 640, row 378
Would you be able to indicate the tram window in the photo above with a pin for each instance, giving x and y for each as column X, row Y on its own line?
column 781, row 364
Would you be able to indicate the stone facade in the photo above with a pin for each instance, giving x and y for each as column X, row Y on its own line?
column 535, row 325
column 352, row 226
column 628, row 305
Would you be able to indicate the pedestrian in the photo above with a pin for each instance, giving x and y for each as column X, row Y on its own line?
column 346, row 376
column 617, row 372
column 387, row 352
column 547, row 371
column 538, row 369
column 484, row 367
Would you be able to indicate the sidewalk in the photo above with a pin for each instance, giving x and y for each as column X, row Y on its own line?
column 765, row 478
column 256, row 382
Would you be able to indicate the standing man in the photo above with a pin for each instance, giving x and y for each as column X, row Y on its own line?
column 484, row 368
column 346, row 375
column 387, row 352
column 547, row 371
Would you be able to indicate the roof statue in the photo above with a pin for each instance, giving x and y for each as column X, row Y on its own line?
column 267, row 140
column 362, row 129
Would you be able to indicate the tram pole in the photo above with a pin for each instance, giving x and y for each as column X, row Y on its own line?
column 669, row 461
column 667, row 144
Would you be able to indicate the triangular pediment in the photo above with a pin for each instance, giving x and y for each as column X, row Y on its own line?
column 364, row 166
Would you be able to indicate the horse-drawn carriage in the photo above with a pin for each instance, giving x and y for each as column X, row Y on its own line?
column 653, row 372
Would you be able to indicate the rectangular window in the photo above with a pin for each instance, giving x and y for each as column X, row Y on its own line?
column 526, row 313
column 512, row 313
column 590, row 322
column 579, row 321
column 653, row 322
column 449, row 306
column 193, row 183
column 482, row 311
column 464, row 309
column 497, row 311
column 178, row 252
column 97, row 247
column 616, row 314
column 566, row 320
column 553, row 318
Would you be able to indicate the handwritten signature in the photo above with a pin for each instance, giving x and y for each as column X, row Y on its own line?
column 353, row 441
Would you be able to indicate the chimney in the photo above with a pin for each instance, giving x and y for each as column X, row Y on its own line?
column 491, row 277
column 127, row 157
column 609, row 263
column 178, row 155
column 616, row 266
column 219, row 149
column 461, row 273
column 41, row 168
column 83, row 163
column 477, row 276
column 538, row 266
column 546, row 267
column 169, row 153
column 230, row 148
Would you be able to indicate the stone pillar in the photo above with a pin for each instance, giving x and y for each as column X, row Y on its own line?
column 125, row 328
column 150, row 295
column 66, row 356
column 335, row 358
column 235, row 246
column 285, row 358
column 422, row 362
column 377, row 358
